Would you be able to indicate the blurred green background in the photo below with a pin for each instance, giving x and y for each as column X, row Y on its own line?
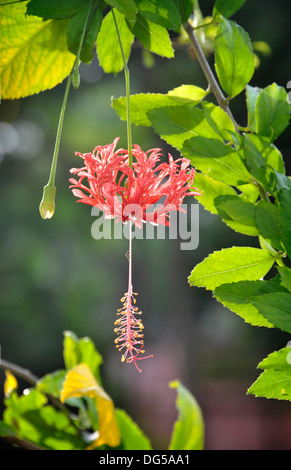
column 54, row 276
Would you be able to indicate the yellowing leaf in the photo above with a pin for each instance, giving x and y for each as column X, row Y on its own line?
column 10, row 383
column 81, row 382
column 33, row 53
column 108, row 430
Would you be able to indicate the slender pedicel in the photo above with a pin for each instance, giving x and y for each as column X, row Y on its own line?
column 127, row 85
column 47, row 205
column 129, row 329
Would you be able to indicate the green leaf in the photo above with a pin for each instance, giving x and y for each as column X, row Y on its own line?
column 275, row 381
column 142, row 103
column 226, row 8
column 126, row 7
column 282, row 181
column 272, row 112
column 187, row 94
column 75, row 31
column 268, row 247
column 251, row 96
column 77, row 11
column 213, row 157
column 255, row 163
column 231, row 265
column 132, row 436
column 77, row 351
column 31, row 400
column 108, row 47
column 272, row 384
column 55, row 9
column 285, row 219
column 186, row 8
column 234, row 57
column 267, row 218
column 276, row 308
column 219, row 121
column 188, row 430
column 162, row 12
column 249, row 192
column 210, row 189
column 237, row 213
column 278, row 360
column 152, row 36
column 36, row 53
column 52, row 384
column 268, row 151
column 40, row 423
column 239, row 297
column 178, row 124
column 6, row 2
column 6, row 430
column 285, row 274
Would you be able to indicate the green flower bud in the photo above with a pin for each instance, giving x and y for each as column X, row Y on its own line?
column 76, row 79
column 47, row 205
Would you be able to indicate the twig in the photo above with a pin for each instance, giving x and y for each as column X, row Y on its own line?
column 24, row 374
column 22, row 443
column 212, row 82
column 32, row 379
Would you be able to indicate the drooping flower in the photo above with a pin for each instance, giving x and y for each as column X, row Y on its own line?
column 127, row 192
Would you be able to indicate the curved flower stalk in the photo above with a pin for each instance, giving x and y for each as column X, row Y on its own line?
column 126, row 192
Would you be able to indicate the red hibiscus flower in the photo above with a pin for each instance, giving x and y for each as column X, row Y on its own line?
column 128, row 192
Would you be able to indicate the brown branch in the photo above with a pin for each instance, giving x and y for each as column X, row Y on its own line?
column 212, row 82
column 24, row 374
column 15, row 441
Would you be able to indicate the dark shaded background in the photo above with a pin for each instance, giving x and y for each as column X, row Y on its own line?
column 54, row 276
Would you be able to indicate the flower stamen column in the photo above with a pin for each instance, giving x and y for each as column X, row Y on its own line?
column 128, row 327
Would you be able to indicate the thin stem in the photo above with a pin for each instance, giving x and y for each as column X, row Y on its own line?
column 24, row 374
column 204, row 25
column 52, row 176
column 51, row 181
column 128, row 329
column 130, row 258
column 280, row 262
column 16, row 441
column 213, row 84
column 47, row 204
column 76, row 76
column 263, row 193
column 127, row 85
